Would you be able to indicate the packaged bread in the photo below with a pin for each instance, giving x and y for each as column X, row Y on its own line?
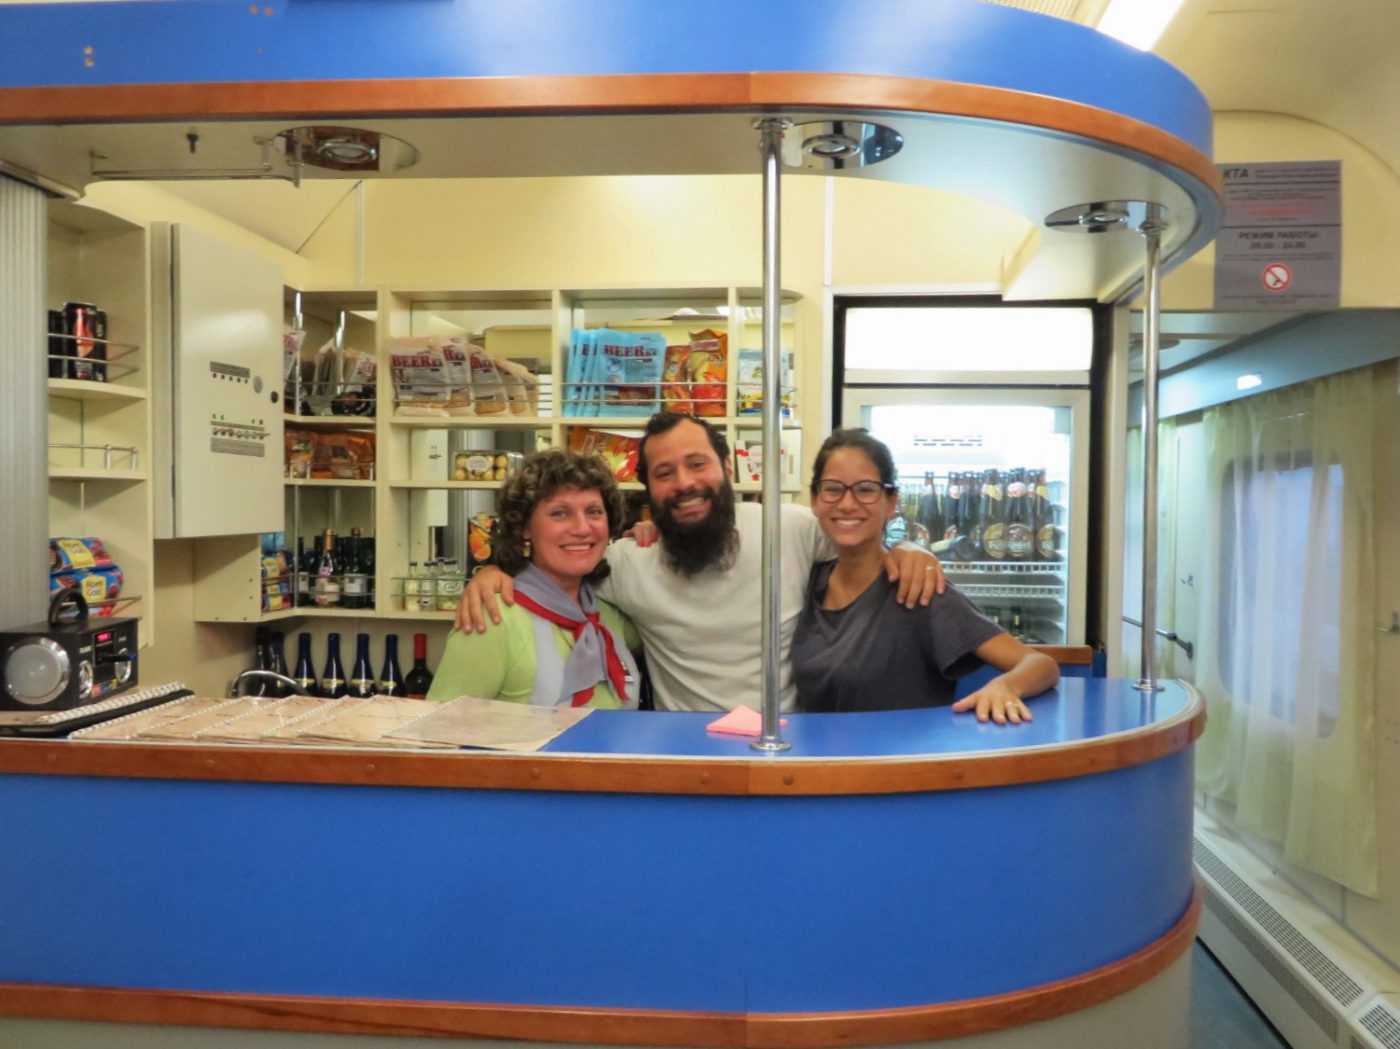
column 419, row 369
column 522, row 387
column 299, row 452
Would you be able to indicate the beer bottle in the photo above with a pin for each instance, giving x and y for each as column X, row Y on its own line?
column 972, row 516
column 952, row 508
column 1019, row 539
column 1047, row 536
column 993, row 517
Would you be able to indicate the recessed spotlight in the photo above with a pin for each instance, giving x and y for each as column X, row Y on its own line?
column 1249, row 382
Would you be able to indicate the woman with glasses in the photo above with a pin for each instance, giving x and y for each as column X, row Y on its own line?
column 857, row 648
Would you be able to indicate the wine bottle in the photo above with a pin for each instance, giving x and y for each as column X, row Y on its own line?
column 361, row 684
column 305, row 673
column 327, row 584
column 333, row 680
column 277, row 663
column 391, row 682
column 420, row 678
column 354, row 583
column 262, row 660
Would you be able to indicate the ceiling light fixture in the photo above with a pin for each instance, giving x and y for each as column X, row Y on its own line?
column 1249, row 382
column 1138, row 23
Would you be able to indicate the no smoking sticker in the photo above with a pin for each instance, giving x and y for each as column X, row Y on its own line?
column 1276, row 276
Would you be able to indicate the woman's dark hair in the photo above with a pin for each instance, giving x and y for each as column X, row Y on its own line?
column 877, row 451
column 541, row 476
column 664, row 422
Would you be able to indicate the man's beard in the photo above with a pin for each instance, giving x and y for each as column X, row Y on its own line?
column 692, row 547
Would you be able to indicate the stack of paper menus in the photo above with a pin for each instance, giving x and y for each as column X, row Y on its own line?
column 379, row 721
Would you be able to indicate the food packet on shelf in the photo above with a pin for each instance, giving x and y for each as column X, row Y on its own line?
column 100, row 586
column 706, row 367
column 355, row 392
column 457, row 356
column 618, row 448
column 675, row 390
column 86, row 552
column 522, row 387
column 488, row 390
column 480, row 540
column 485, row 465
column 344, row 456
column 419, row 370
column 300, row 452
column 291, row 353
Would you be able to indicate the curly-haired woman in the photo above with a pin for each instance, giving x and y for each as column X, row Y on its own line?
column 557, row 645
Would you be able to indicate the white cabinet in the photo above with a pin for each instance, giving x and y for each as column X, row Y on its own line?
column 217, row 356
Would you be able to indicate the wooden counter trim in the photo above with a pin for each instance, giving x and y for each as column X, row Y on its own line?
column 606, row 1026
column 606, row 774
column 577, row 95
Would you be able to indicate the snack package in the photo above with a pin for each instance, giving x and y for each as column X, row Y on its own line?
column 355, row 389
column 87, row 552
column 291, row 353
column 488, row 392
column 100, row 586
column 618, row 448
column 580, row 397
column 749, row 381
column 521, row 385
column 299, row 452
column 485, row 465
column 420, row 373
column 458, row 361
column 706, row 368
column 675, row 391
column 480, row 540
column 344, row 456
column 631, row 364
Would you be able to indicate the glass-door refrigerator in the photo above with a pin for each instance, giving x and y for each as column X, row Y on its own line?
column 993, row 458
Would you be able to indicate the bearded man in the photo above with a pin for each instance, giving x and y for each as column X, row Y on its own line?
column 695, row 595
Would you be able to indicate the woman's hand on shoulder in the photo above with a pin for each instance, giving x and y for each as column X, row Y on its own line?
column 479, row 599
column 643, row 533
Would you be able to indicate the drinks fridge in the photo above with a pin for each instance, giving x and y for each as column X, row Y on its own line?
column 994, row 482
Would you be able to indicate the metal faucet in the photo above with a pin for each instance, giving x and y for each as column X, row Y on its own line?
column 235, row 687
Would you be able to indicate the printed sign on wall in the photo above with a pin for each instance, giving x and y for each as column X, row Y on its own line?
column 1280, row 244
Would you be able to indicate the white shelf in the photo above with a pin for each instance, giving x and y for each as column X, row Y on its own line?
column 93, row 473
column 85, row 390
column 329, row 422
column 474, row 422
column 328, row 482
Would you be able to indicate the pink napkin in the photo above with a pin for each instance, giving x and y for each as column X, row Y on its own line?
column 741, row 721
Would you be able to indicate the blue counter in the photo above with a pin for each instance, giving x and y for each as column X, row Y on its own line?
column 903, row 863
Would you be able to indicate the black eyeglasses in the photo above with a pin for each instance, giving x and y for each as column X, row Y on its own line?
column 866, row 492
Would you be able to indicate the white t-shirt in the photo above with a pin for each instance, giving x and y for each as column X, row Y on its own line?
column 703, row 635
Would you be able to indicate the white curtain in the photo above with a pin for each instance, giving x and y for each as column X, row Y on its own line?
column 1286, row 642
column 1168, row 510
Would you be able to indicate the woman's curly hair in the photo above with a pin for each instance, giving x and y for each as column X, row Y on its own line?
column 540, row 477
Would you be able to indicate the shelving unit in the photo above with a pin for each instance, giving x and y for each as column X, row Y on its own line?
column 97, row 258
column 412, row 491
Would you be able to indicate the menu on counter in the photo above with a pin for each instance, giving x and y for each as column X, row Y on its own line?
column 492, row 724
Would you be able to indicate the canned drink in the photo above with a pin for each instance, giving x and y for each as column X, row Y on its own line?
column 81, row 320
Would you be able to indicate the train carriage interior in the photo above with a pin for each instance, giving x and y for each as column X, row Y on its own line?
column 1278, row 526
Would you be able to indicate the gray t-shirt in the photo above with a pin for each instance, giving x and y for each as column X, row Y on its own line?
column 875, row 654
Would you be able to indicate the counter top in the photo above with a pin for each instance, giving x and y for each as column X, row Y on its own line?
column 1085, row 725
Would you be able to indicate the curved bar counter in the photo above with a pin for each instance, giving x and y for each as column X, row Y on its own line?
column 896, row 877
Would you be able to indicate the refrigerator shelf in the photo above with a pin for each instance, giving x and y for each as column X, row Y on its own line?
column 1000, row 590
column 1051, row 568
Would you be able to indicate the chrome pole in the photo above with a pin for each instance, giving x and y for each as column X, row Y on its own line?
column 770, row 146
column 1151, row 229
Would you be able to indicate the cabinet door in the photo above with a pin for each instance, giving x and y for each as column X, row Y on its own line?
column 218, row 417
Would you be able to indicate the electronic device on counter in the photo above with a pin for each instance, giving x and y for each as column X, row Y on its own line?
column 68, row 661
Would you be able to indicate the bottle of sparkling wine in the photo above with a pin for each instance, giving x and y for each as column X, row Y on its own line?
column 305, row 673
column 361, row 682
column 333, row 680
column 391, row 680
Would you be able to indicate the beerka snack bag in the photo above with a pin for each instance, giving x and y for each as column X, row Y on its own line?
column 630, row 365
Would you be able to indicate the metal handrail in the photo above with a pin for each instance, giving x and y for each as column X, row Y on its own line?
column 1170, row 635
